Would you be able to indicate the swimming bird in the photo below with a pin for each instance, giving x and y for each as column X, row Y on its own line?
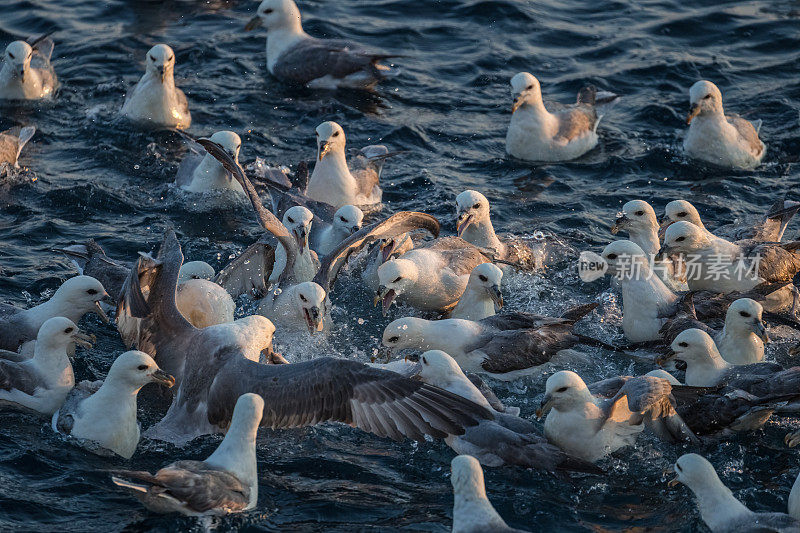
column 766, row 228
column 505, row 346
column 475, row 227
column 347, row 220
column 295, row 57
column 201, row 172
column 226, row 482
column 27, row 73
column 333, row 181
column 105, row 421
column 379, row 253
column 536, row 134
column 482, row 297
column 155, row 100
column 42, row 382
column 592, row 427
column 12, row 141
column 300, row 307
column 472, row 510
column 506, row 440
column 73, row 299
column 714, row 137
column 719, row 508
column 297, row 222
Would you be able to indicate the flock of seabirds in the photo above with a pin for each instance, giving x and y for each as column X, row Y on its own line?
column 177, row 317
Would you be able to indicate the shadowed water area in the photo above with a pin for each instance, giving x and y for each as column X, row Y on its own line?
column 87, row 174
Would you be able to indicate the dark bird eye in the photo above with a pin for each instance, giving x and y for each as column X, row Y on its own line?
column 153, row 59
column 706, row 97
column 562, row 389
column 678, row 468
column 683, row 345
column 398, row 278
column 424, row 360
column 68, row 330
column 143, row 367
column 290, row 220
column 267, row 11
column 11, row 55
column 744, row 314
column 680, row 239
column 639, row 213
column 171, row 58
column 303, row 298
column 343, row 219
column 612, row 256
column 482, row 278
column 394, row 339
column 476, row 206
column 529, row 87
column 92, row 291
column 335, row 134
column 682, row 214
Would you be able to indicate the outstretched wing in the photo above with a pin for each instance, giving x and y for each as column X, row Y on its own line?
column 249, row 272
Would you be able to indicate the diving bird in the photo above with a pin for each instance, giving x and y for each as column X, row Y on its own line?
column 27, row 73
column 482, row 297
column 200, row 172
column 12, row 141
column 566, row 133
column 472, row 510
column 714, row 137
column 591, row 427
column 42, row 382
column 155, row 100
column 73, row 299
column 719, row 508
column 105, row 421
column 226, row 482
column 295, row 57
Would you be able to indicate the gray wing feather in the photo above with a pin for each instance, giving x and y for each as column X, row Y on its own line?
column 249, row 272
column 312, row 58
column 748, row 132
column 15, row 376
column 186, row 169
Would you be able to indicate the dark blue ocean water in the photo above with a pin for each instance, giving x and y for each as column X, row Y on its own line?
column 90, row 176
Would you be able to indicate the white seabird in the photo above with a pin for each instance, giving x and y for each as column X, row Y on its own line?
column 714, row 137
column 741, row 341
column 300, row 307
column 482, row 297
column 536, row 134
column 591, row 428
column 719, row 508
column 12, row 141
column 346, row 221
column 332, row 180
column 73, row 299
column 226, row 482
column 106, row 420
column 42, row 382
column 297, row 222
column 293, row 56
column 472, row 510
column 201, row 172
column 382, row 251
column 155, row 100
column 27, row 73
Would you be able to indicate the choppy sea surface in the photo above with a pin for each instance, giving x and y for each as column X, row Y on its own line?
column 86, row 174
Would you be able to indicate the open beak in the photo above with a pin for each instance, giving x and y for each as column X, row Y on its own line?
column 665, row 358
column 619, row 223
column 693, row 112
column 301, row 238
column 83, row 340
column 545, row 407
column 761, row 331
column 253, row 23
column 517, row 104
column 464, row 220
column 496, row 296
column 662, row 252
column 324, row 149
column 386, row 297
column 674, row 481
column 162, row 378
column 314, row 321
column 99, row 310
column 386, row 250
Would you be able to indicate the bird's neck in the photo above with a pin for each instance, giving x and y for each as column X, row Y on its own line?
column 647, row 239
column 154, row 79
column 210, row 174
column 114, row 400
column 278, row 41
column 53, row 364
column 473, row 511
column 473, row 302
column 481, row 233
column 719, row 507
column 237, row 452
column 706, row 373
column 58, row 306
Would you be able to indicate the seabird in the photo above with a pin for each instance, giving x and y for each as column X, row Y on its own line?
column 346, row 221
column 719, row 508
column 592, row 427
column 474, row 225
column 333, row 181
column 767, row 228
column 506, row 440
column 482, row 297
column 220, row 363
column 536, row 134
column 106, row 420
column 300, row 307
column 382, row 251
column 472, row 510
column 295, row 57
column 506, row 346
column 714, row 137
column 226, row 482
column 200, row 172
column 42, row 382
column 297, row 222
column 27, row 73
column 73, row 299
column 12, row 141
column 155, row 100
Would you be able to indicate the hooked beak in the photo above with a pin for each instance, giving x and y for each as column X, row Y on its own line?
column 674, row 481
column 694, row 110
column 496, row 296
column 517, row 104
column 83, row 340
column 464, row 220
column 314, row 319
column 99, row 310
column 162, row 378
column 253, row 23
column 761, row 331
column 324, row 148
column 619, row 223
column 301, row 238
column 386, row 296
column 665, row 358
column 354, row 229
column 22, row 71
column 161, row 72
column 545, row 407
column 386, row 250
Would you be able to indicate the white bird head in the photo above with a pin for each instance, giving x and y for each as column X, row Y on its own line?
column 405, row 333
column 678, row 210
column 82, row 294
column 471, row 208
column 395, row 277
column 58, row 333
column 745, row 316
column 247, row 413
column 229, row 141
column 134, row 369
column 525, row 89
column 683, row 237
column 487, row 277
column 692, row 346
column 348, row 219
column 467, row 478
column 563, row 391
column 330, row 138
column 196, row 270
column 636, row 215
column 160, row 62
column 704, row 99
column 298, row 221
column 695, row 472
column 257, row 332
column 18, row 58
column 310, row 301
column 621, row 257
column 276, row 15
column 438, row 368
